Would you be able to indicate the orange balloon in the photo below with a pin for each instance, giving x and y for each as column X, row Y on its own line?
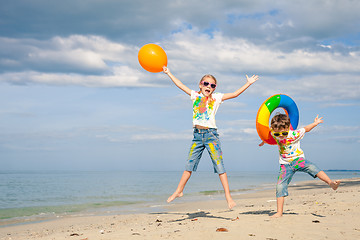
column 152, row 58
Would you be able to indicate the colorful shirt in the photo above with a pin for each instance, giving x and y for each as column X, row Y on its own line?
column 204, row 110
column 289, row 148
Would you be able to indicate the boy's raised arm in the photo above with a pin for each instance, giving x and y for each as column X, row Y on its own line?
column 316, row 122
column 177, row 82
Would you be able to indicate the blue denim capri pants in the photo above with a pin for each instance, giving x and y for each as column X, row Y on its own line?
column 287, row 171
column 209, row 139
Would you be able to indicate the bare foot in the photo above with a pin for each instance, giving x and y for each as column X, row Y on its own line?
column 175, row 195
column 276, row 215
column 335, row 184
column 231, row 203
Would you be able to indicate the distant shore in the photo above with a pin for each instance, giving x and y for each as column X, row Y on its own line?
column 312, row 211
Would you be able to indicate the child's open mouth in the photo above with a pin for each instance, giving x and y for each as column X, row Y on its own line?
column 207, row 91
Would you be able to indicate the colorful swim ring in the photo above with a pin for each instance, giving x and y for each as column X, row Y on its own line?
column 263, row 115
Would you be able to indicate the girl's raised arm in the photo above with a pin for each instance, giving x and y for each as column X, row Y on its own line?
column 177, row 82
column 235, row 94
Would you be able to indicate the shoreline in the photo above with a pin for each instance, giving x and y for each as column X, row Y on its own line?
column 311, row 205
column 49, row 194
column 127, row 209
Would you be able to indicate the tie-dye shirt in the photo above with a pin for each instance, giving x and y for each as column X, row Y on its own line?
column 203, row 110
column 289, row 148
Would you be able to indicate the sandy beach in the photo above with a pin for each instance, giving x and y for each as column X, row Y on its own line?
column 312, row 211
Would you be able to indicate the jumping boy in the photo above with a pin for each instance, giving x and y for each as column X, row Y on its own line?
column 292, row 158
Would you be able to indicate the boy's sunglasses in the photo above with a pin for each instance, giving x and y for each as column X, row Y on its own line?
column 276, row 134
column 212, row 85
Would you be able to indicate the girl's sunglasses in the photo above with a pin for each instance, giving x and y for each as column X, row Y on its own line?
column 276, row 134
column 212, row 85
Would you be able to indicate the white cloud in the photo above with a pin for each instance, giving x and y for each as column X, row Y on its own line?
column 318, row 88
column 140, row 135
column 122, row 77
column 190, row 50
column 73, row 54
column 75, row 60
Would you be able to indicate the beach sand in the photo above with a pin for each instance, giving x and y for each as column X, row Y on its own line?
column 312, row 211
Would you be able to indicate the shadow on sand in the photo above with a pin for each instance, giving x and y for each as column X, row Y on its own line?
column 193, row 216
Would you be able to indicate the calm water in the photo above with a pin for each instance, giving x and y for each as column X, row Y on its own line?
column 44, row 194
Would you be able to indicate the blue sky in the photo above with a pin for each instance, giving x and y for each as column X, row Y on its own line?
column 74, row 97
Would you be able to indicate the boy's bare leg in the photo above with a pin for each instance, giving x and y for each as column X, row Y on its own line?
column 280, row 207
column 324, row 177
column 225, row 183
column 179, row 190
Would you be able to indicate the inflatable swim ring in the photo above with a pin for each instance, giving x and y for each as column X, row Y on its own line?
column 263, row 115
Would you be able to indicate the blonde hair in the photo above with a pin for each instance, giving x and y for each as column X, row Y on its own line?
column 208, row 76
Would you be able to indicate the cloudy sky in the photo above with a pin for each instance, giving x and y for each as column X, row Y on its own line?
column 74, row 97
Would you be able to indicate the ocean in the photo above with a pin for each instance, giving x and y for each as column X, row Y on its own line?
column 34, row 196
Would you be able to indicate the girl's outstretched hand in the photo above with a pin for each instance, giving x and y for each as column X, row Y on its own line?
column 252, row 79
column 166, row 70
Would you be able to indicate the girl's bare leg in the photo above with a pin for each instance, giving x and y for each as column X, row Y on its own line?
column 179, row 190
column 324, row 177
column 225, row 184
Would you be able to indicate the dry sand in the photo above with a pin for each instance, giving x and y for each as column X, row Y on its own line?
column 312, row 211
